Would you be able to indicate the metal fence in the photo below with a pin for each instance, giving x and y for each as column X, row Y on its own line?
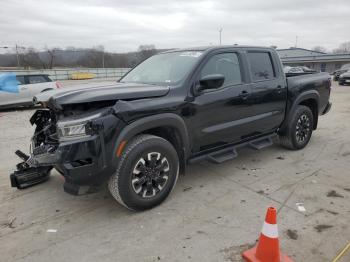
column 65, row 74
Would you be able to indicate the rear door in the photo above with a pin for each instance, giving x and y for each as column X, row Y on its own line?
column 221, row 115
column 269, row 90
column 36, row 84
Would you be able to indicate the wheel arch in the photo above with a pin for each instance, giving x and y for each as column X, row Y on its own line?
column 168, row 126
column 310, row 99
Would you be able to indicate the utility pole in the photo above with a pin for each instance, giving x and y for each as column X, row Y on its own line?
column 296, row 41
column 17, row 55
column 103, row 59
column 220, row 30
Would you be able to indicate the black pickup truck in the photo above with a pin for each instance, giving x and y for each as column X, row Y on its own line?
column 175, row 108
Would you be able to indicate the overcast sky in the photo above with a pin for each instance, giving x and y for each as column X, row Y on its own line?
column 126, row 24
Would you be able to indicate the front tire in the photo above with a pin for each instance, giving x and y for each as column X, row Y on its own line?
column 299, row 129
column 146, row 174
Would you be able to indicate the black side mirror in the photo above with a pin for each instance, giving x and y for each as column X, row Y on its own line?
column 211, row 82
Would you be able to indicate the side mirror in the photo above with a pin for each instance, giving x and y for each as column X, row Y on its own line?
column 211, row 82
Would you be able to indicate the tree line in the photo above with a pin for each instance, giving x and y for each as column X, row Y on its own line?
column 343, row 48
column 95, row 57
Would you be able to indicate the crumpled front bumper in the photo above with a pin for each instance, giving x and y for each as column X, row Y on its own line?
column 85, row 162
column 82, row 163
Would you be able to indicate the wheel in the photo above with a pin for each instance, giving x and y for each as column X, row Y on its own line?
column 299, row 129
column 146, row 174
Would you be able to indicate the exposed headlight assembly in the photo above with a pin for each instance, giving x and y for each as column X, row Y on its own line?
column 73, row 129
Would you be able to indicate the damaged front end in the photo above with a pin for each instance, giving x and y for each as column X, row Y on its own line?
column 75, row 140
column 35, row 168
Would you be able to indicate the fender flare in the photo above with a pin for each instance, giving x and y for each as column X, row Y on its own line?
column 311, row 94
column 154, row 121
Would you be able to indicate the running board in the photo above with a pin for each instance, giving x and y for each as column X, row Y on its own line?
column 230, row 151
column 260, row 144
column 222, row 155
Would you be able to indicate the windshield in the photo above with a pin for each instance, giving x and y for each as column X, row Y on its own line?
column 166, row 68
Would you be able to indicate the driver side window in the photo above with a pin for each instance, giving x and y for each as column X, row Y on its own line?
column 226, row 64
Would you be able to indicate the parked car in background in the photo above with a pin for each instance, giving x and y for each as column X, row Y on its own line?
column 345, row 68
column 344, row 78
column 28, row 87
column 297, row 70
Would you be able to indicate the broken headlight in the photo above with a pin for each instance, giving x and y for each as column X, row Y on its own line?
column 74, row 128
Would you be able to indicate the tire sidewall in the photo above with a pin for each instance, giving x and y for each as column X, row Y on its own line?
column 124, row 173
column 300, row 111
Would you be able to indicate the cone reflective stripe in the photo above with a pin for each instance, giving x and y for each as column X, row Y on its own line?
column 267, row 249
column 270, row 230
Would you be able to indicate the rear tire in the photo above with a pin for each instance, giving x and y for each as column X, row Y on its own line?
column 299, row 129
column 146, row 174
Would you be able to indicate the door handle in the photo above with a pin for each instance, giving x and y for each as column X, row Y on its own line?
column 244, row 94
column 279, row 89
column 24, row 88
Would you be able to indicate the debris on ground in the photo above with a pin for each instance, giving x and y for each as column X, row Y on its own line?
column 321, row 228
column 346, row 154
column 346, row 189
column 51, row 230
column 187, row 189
column 332, row 212
column 260, row 192
column 300, row 207
column 292, row 234
column 9, row 224
column 333, row 193
column 280, row 158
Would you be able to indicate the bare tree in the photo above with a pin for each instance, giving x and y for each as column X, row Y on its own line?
column 51, row 57
column 146, row 51
column 93, row 57
column 319, row 49
column 30, row 58
column 343, row 48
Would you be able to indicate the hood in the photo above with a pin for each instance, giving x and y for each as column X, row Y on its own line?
column 346, row 74
column 97, row 92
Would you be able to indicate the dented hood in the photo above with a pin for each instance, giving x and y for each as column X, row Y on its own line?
column 97, row 92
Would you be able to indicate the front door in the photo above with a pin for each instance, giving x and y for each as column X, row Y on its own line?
column 221, row 115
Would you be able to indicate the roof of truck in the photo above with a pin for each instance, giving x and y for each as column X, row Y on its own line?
column 213, row 47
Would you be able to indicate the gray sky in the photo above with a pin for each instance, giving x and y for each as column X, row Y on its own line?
column 126, row 24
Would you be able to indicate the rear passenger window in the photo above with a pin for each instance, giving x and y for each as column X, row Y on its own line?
column 37, row 79
column 226, row 64
column 20, row 80
column 261, row 66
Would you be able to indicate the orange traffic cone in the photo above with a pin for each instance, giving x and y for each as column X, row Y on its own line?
column 267, row 249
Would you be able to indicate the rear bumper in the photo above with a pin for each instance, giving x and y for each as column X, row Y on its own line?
column 327, row 109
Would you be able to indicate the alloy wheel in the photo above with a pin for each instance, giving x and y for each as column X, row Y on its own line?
column 150, row 174
column 303, row 128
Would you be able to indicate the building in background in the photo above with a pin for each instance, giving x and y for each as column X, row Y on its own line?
column 318, row 61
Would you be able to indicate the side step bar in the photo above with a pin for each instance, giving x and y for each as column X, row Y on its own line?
column 230, row 151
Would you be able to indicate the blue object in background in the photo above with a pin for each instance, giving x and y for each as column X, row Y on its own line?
column 8, row 83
